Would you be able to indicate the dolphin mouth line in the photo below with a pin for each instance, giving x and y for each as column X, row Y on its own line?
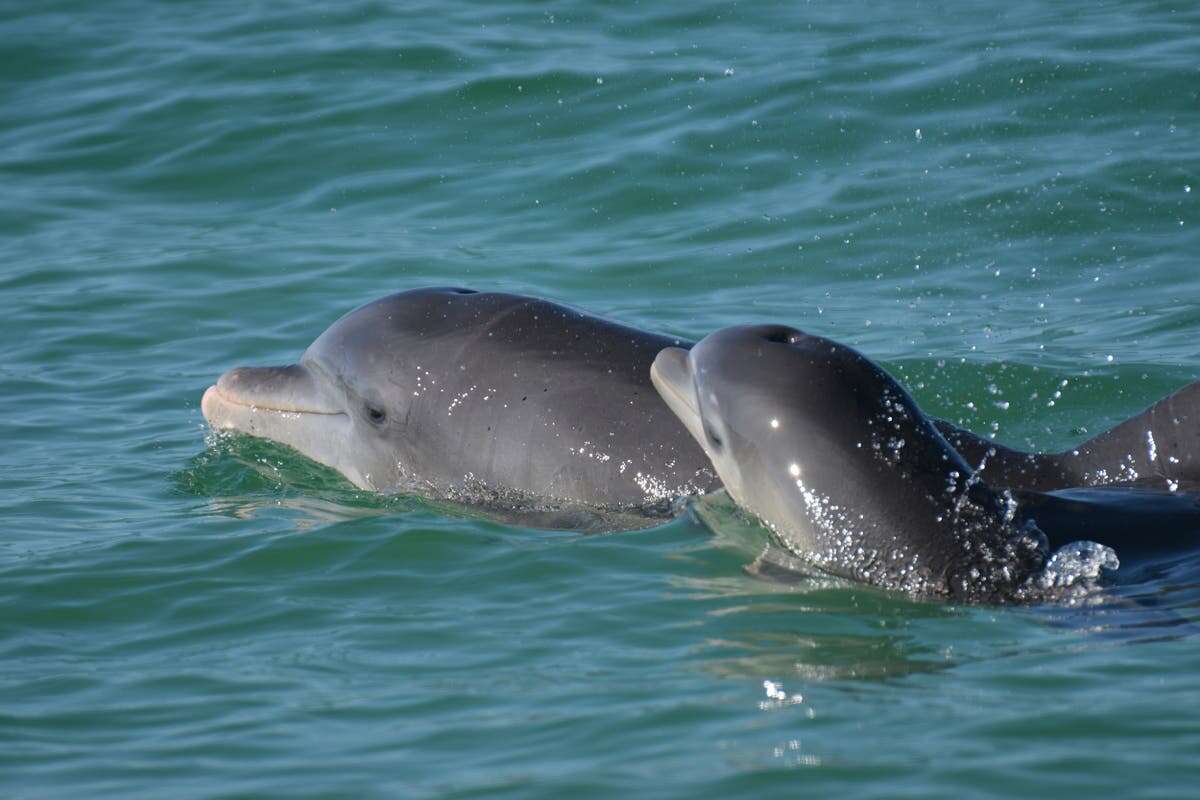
column 224, row 398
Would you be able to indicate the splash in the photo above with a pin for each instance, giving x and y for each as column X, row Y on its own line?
column 1076, row 570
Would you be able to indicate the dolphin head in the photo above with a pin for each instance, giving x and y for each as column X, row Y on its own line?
column 343, row 404
column 756, row 399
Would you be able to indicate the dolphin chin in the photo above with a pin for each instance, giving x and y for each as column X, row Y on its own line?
column 289, row 405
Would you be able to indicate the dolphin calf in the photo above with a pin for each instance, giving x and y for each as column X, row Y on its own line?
column 835, row 457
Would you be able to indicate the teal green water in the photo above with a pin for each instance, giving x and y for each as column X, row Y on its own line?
column 998, row 200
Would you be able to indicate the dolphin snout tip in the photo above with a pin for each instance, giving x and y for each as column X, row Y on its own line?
column 220, row 399
column 671, row 366
column 219, row 404
column 208, row 403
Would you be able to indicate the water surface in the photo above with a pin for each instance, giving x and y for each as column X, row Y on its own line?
column 998, row 201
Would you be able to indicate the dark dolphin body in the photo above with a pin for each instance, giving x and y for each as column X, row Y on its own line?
column 834, row 456
column 517, row 403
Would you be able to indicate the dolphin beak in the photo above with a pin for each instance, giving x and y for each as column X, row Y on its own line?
column 292, row 389
column 671, row 375
column 289, row 405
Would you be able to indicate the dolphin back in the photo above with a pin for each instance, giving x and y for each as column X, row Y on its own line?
column 1159, row 447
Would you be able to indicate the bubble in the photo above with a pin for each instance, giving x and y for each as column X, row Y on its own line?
column 1078, row 562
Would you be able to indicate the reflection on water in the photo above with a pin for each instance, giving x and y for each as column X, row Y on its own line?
column 822, row 657
column 781, row 617
column 774, row 617
column 240, row 476
column 244, row 474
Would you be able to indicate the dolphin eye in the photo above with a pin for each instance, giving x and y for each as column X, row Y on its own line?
column 375, row 414
column 713, row 438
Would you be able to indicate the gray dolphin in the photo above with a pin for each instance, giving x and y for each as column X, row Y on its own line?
column 837, row 459
column 483, row 398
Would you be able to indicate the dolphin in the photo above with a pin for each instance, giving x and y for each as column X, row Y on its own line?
column 482, row 398
column 836, row 458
